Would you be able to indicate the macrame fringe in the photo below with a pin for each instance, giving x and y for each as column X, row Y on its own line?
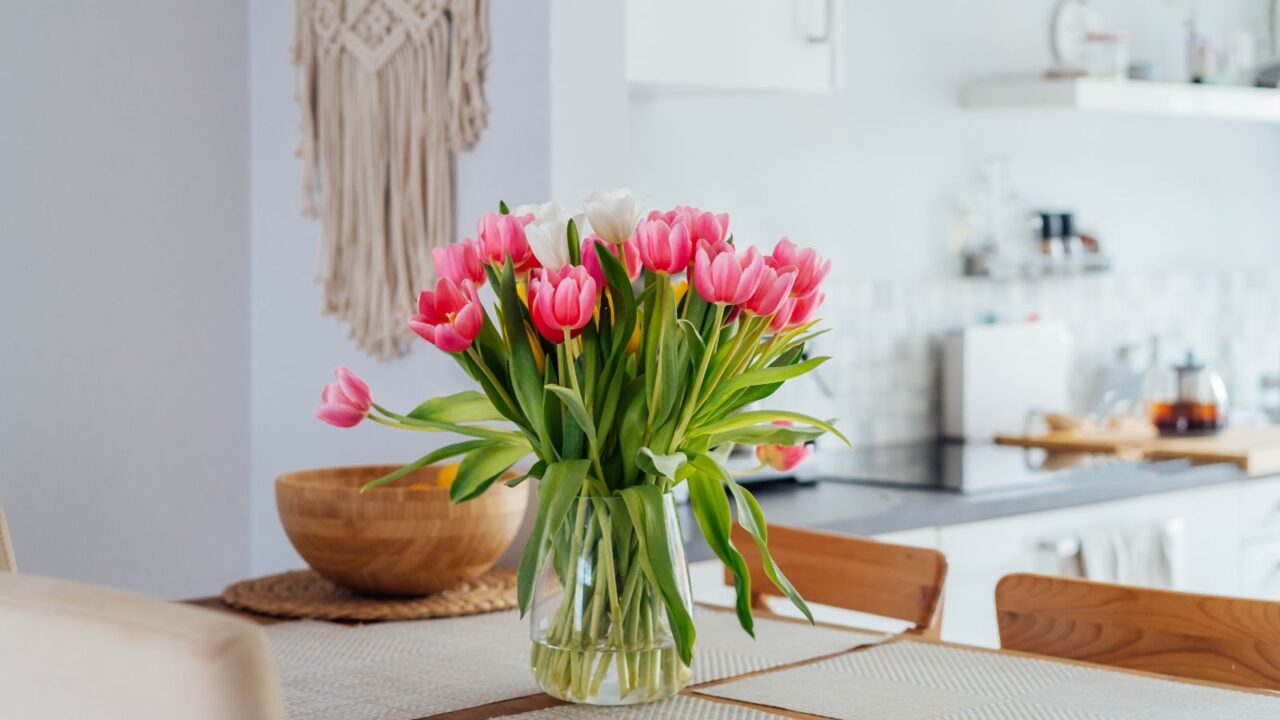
column 388, row 92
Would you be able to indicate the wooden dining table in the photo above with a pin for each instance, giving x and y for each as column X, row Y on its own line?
column 541, row 701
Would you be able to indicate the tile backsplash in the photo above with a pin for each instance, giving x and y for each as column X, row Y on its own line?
column 883, row 381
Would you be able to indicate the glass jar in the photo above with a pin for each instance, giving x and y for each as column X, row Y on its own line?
column 1187, row 399
column 599, row 625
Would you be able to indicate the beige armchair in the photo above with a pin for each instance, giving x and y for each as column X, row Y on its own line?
column 7, row 561
column 76, row 651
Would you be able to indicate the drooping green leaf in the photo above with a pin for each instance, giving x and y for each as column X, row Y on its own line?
column 579, row 412
column 434, row 456
column 466, row 406
column 769, row 375
column 665, row 465
column 767, row 435
column 756, row 417
column 645, row 505
column 535, row 471
column 751, row 518
column 560, row 484
column 692, row 340
column 711, row 510
column 481, row 467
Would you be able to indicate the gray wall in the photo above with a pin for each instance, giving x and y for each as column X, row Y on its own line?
column 294, row 348
column 124, row 300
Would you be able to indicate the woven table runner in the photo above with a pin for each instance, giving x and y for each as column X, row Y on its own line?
column 917, row 681
column 680, row 707
column 402, row 670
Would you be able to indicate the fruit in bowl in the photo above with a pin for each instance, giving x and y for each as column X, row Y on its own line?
column 401, row 539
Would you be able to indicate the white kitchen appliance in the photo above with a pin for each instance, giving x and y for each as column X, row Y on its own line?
column 995, row 376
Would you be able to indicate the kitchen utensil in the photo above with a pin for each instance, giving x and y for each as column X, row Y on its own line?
column 1187, row 399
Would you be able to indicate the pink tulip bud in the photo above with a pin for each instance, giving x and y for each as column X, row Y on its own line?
column 725, row 278
column 796, row 311
column 628, row 252
column 460, row 261
column 783, row 458
column 449, row 318
column 561, row 300
column 775, row 284
column 501, row 236
column 811, row 268
column 664, row 248
column 345, row 402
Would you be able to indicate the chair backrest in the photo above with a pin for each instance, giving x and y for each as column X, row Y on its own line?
column 7, row 562
column 1203, row 637
column 74, row 650
column 895, row 581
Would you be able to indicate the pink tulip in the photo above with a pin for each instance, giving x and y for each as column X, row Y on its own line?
column 796, row 311
column 460, row 261
column 775, row 284
column 345, row 402
column 783, row 458
column 702, row 225
column 726, row 278
column 449, row 318
column 810, row 267
column 501, row 236
column 664, row 248
column 561, row 300
column 628, row 252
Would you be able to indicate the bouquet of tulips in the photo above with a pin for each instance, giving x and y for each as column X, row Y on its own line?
column 624, row 362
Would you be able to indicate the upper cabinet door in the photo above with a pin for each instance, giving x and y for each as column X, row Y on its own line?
column 769, row 45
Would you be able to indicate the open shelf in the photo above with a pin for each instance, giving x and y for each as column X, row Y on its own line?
column 1131, row 97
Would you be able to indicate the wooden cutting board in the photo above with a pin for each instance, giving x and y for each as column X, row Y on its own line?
column 1256, row 450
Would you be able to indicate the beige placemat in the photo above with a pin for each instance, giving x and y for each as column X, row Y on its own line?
column 401, row 670
column 917, row 681
column 680, row 707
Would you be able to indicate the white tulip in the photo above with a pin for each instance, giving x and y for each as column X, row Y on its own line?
column 548, row 234
column 614, row 215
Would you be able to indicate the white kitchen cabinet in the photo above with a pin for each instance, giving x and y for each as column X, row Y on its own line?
column 980, row 553
column 770, row 45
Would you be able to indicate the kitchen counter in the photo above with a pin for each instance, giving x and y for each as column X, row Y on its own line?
column 859, row 509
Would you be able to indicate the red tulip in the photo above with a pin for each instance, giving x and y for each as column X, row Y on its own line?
column 346, row 401
column 449, row 318
column 460, row 261
column 561, row 300
column 502, row 236
column 810, row 267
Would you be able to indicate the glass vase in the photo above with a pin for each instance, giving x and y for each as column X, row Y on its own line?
column 599, row 626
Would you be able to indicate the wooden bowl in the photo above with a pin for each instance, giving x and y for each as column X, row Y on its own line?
column 405, row 538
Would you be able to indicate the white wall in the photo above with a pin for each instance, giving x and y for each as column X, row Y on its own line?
column 124, row 291
column 294, row 349
column 873, row 174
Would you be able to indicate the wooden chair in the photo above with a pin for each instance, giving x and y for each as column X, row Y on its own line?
column 7, row 561
column 894, row 581
column 80, row 651
column 1203, row 637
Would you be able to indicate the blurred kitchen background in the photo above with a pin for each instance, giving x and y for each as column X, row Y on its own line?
column 164, row 342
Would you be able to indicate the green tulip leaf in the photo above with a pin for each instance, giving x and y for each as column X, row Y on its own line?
column 665, row 465
column 645, row 505
column 434, row 456
column 466, row 406
column 481, row 467
column 560, row 484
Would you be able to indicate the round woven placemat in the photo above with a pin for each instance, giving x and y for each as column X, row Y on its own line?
column 304, row 594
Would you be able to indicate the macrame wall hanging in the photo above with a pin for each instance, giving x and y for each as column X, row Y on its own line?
column 389, row 90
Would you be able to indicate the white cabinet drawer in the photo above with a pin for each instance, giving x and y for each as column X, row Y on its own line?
column 1260, row 571
column 1259, row 512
